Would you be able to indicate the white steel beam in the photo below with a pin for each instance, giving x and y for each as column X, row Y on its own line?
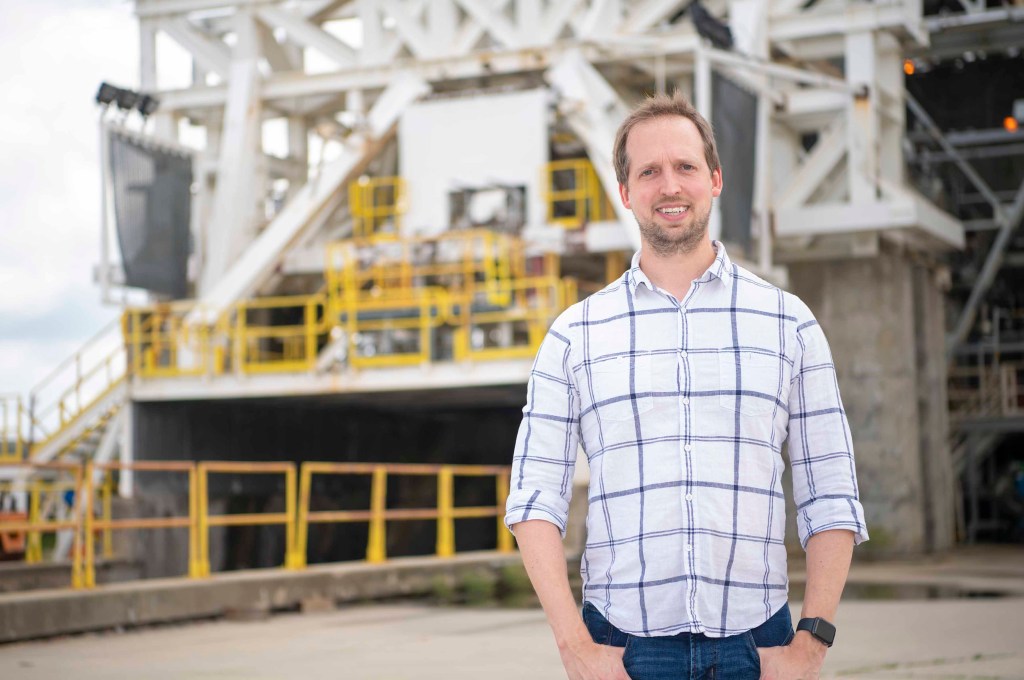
column 231, row 222
column 646, row 14
column 266, row 251
column 409, row 27
column 823, row 158
column 500, row 28
column 210, row 52
column 555, row 20
column 309, row 35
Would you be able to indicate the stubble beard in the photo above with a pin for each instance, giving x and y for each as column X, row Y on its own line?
column 682, row 241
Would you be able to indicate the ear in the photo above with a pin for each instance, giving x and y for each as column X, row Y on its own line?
column 624, row 196
column 716, row 182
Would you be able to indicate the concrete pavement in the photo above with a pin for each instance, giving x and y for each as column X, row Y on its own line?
column 885, row 639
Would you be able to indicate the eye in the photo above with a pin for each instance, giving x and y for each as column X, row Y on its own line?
column 688, row 167
column 646, row 172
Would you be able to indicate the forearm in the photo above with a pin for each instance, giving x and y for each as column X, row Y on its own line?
column 540, row 544
column 828, row 564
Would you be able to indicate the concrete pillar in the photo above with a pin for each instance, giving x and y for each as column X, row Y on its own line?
column 884, row 319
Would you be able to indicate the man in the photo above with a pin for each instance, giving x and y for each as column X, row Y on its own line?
column 680, row 381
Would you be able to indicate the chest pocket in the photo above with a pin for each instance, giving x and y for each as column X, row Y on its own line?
column 748, row 381
column 614, row 394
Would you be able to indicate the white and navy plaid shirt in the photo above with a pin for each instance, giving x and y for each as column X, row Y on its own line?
column 682, row 409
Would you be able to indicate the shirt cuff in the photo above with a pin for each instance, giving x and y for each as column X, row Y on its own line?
column 525, row 504
column 825, row 514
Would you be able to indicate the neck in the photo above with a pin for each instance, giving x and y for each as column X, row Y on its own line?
column 675, row 271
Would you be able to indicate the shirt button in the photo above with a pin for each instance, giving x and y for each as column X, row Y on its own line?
column 689, row 548
column 686, row 400
column 689, row 496
column 687, row 447
column 682, row 354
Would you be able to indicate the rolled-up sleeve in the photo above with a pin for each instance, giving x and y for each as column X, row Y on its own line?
column 545, row 451
column 820, row 445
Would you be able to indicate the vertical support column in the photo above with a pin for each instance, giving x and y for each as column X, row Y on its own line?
column 445, row 518
column 302, row 527
column 195, row 569
column 235, row 201
column 702, row 101
column 505, row 542
column 862, row 115
column 202, row 525
column 90, row 538
column 126, row 485
column 108, row 512
column 290, row 552
column 376, row 549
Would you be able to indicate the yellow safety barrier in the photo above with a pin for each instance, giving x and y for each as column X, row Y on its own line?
column 574, row 194
column 161, row 344
column 454, row 260
column 108, row 525
column 35, row 525
column 264, row 347
column 445, row 513
column 374, row 200
column 534, row 303
column 206, row 521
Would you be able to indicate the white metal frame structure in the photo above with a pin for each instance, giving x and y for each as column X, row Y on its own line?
column 831, row 72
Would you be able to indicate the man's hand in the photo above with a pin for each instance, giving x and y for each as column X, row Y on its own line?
column 801, row 659
column 587, row 660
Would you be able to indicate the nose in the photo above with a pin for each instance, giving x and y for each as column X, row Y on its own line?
column 670, row 183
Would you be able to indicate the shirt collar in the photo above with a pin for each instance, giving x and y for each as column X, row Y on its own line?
column 720, row 269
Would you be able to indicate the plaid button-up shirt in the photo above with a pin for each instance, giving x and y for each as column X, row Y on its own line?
column 681, row 408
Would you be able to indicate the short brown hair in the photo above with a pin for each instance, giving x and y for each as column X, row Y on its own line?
column 655, row 107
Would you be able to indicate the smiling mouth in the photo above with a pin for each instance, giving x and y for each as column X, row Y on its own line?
column 676, row 210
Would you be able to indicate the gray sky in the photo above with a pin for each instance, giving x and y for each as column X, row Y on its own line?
column 53, row 55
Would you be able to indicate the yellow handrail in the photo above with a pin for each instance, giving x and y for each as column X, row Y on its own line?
column 205, row 520
column 35, row 525
column 377, row 515
column 579, row 203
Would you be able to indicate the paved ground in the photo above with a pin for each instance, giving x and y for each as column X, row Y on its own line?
column 941, row 638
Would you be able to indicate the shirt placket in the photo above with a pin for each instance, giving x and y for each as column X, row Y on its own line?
column 687, row 451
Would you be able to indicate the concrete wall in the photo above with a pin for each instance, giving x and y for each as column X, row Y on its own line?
column 884, row 318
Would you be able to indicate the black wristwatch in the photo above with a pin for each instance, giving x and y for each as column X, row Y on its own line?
column 819, row 628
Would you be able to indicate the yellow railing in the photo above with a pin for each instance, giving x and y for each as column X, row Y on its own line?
column 289, row 345
column 375, row 200
column 464, row 295
column 378, row 514
column 454, row 260
column 574, row 194
column 35, row 525
column 108, row 525
column 73, row 388
column 205, row 520
column 296, row 516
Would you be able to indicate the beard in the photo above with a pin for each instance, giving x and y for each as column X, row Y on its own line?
column 681, row 240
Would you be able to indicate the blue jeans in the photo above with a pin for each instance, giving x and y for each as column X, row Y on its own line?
column 692, row 655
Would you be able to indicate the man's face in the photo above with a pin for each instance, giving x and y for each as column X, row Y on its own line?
column 669, row 187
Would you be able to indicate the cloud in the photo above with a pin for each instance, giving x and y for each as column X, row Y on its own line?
column 54, row 55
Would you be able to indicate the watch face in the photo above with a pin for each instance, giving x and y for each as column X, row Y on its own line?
column 824, row 631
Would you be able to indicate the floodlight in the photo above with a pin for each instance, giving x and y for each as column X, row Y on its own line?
column 126, row 99
column 147, row 104
column 106, row 94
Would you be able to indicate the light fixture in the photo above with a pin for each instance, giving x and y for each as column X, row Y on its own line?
column 125, row 99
